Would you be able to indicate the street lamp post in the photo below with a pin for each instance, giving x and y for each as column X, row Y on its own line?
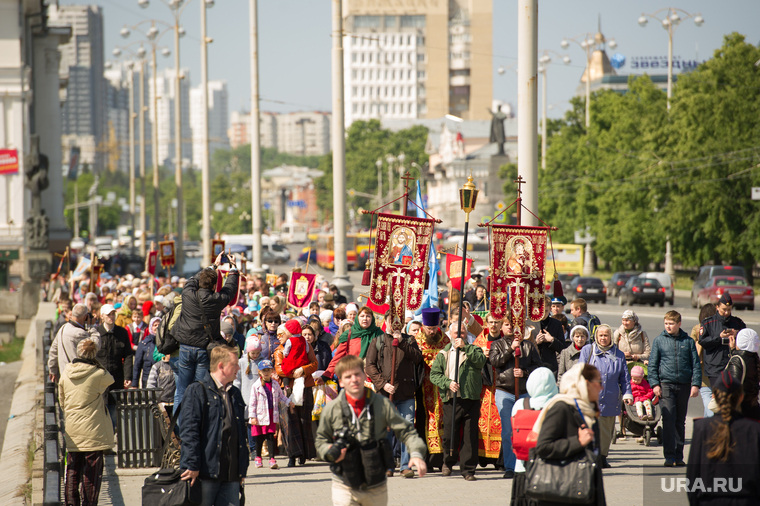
column 544, row 61
column 255, row 140
column 672, row 18
column 468, row 195
column 589, row 43
column 205, row 183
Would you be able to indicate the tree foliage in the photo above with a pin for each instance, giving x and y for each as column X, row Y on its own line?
column 641, row 174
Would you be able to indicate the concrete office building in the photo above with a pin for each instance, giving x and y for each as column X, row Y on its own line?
column 82, row 64
column 218, row 119
column 413, row 59
column 303, row 133
column 239, row 131
column 165, row 84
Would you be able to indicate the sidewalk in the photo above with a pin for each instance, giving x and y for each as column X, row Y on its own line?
column 311, row 484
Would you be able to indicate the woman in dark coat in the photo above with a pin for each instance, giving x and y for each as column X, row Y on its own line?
column 562, row 432
column 725, row 447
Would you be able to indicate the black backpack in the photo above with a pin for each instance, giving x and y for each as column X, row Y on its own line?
column 166, row 343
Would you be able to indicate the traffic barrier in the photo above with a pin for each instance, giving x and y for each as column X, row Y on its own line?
column 138, row 429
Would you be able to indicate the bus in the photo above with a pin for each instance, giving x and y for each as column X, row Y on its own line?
column 357, row 244
column 568, row 258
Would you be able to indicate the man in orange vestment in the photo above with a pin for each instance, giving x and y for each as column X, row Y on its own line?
column 430, row 340
column 489, row 425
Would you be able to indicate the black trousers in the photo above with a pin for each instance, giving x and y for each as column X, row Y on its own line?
column 466, row 419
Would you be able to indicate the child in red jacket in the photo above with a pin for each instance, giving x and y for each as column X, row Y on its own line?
column 642, row 393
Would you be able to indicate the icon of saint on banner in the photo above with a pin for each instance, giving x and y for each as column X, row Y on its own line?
column 402, row 247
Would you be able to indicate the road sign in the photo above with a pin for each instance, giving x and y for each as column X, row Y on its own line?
column 756, row 193
column 8, row 254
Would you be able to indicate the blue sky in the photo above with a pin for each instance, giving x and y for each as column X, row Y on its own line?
column 294, row 42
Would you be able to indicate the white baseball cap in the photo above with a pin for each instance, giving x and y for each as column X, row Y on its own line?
column 107, row 309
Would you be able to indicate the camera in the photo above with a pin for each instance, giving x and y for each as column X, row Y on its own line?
column 342, row 439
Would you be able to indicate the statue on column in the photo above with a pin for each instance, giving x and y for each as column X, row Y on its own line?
column 36, row 172
column 497, row 129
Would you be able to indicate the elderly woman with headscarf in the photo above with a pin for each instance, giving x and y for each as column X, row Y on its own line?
column 631, row 339
column 570, row 355
column 144, row 355
column 744, row 364
column 89, row 431
column 541, row 389
column 616, row 383
column 568, row 423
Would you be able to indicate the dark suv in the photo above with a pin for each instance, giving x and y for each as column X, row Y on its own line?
column 707, row 272
column 617, row 281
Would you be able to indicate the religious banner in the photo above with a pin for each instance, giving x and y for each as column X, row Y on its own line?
column 400, row 266
column 217, row 246
column 166, row 248
column 301, row 289
column 271, row 279
column 152, row 261
column 517, row 273
column 81, row 268
column 454, row 270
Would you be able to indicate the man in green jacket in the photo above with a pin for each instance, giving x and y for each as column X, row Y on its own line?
column 365, row 415
column 467, row 388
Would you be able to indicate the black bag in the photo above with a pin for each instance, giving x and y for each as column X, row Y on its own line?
column 365, row 464
column 166, row 488
column 376, row 458
column 564, row 481
column 165, row 341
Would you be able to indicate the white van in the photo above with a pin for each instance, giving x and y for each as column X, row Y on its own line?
column 293, row 233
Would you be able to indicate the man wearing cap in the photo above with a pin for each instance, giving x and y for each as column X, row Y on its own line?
column 115, row 354
column 63, row 350
column 714, row 336
column 430, row 340
column 558, row 305
column 466, row 384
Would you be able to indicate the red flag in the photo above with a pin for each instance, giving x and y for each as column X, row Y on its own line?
column 301, row 289
column 378, row 308
column 454, row 270
column 152, row 261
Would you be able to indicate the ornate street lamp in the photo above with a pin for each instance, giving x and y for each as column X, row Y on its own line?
column 468, row 196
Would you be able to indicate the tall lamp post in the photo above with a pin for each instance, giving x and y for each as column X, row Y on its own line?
column 205, row 183
column 670, row 20
column 152, row 35
column 544, row 62
column 589, row 43
column 468, row 195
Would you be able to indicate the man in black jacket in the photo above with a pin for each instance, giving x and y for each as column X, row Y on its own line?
column 198, row 300
column 714, row 337
column 115, row 354
column 550, row 340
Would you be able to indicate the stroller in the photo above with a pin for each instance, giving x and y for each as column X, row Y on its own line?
column 642, row 428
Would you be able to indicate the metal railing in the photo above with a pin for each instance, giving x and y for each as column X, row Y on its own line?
column 53, row 450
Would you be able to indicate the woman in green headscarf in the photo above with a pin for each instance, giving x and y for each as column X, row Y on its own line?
column 356, row 340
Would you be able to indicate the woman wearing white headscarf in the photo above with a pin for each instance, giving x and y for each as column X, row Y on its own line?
column 541, row 388
column 567, row 424
column 744, row 364
column 631, row 339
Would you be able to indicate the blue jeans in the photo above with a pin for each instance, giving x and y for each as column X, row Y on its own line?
column 706, row 394
column 406, row 410
column 504, row 403
column 192, row 366
column 220, row 493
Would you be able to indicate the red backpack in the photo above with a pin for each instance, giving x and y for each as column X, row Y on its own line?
column 523, row 437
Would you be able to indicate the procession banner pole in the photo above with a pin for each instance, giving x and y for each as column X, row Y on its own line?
column 518, row 219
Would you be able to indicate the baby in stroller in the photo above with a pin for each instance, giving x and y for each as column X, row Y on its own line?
column 642, row 394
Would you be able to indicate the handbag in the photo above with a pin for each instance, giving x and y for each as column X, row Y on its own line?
column 165, row 487
column 569, row 481
column 297, row 395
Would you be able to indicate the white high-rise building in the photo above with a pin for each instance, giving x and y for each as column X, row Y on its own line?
column 304, row 133
column 165, row 84
column 217, row 119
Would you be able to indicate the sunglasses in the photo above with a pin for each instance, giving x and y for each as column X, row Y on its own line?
column 272, row 321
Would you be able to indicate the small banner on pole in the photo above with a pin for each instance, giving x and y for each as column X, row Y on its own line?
column 167, row 253
column 152, row 262
column 517, row 272
column 301, row 289
column 400, row 265
column 454, row 270
column 217, row 246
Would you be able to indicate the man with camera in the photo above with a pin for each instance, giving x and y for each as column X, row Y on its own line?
column 198, row 324
column 352, row 437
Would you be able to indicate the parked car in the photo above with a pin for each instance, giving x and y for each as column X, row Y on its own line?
column 590, row 289
column 665, row 281
column 618, row 280
column 707, row 272
column 638, row 290
column 737, row 287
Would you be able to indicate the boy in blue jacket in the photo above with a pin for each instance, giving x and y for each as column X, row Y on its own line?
column 675, row 375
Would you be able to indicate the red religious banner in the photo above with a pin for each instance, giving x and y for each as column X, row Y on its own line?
column 167, row 253
column 217, row 246
column 454, row 270
column 8, row 161
column 517, row 270
column 400, row 266
column 301, row 289
column 152, row 261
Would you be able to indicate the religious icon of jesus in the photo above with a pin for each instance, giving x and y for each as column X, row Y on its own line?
column 402, row 244
column 520, row 262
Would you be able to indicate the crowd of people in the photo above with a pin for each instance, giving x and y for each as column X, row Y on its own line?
column 251, row 378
